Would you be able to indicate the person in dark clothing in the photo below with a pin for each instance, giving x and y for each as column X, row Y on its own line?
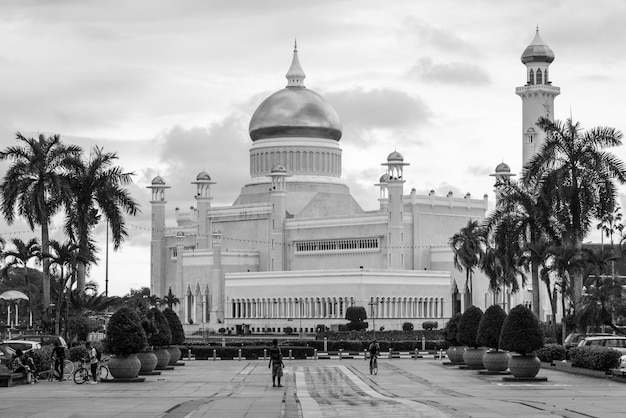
column 58, row 354
column 276, row 364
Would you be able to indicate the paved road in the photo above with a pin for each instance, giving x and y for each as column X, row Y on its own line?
column 324, row 388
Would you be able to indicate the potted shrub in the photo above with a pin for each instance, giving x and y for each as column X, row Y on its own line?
column 147, row 357
column 455, row 349
column 125, row 338
column 466, row 334
column 178, row 334
column 488, row 335
column 522, row 334
column 161, row 338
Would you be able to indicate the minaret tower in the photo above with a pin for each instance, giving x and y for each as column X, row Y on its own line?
column 395, row 186
column 203, row 198
column 157, row 247
column 537, row 95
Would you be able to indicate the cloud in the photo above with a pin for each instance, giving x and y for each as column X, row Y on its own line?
column 427, row 35
column 452, row 73
column 364, row 111
column 220, row 149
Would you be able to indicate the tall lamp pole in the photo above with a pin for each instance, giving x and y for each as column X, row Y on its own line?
column 106, row 268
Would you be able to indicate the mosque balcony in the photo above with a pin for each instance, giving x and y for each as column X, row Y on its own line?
column 537, row 88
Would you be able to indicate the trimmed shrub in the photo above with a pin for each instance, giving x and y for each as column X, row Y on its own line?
column 468, row 326
column 356, row 326
column 430, row 325
column 125, row 335
column 176, row 327
column 356, row 314
column 163, row 336
column 288, row 330
column 521, row 331
column 490, row 326
column 407, row 326
column 552, row 352
column 222, row 330
column 595, row 358
column 450, row 330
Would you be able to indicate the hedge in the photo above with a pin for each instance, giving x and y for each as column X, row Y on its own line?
column 552, row 352
column 595, row 358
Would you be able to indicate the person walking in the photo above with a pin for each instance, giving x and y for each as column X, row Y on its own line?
column 58, row 354
column 92, row 356
column 276, row 364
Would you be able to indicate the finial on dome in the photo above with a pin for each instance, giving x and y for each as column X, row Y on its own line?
column 295, row 76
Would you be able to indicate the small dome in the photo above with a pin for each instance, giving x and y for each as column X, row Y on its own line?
column 384, row 178
column 395, row 156
column 158, row 180
column 203, row 175
column 279, row 169
column 503, row 168
column 537, row 51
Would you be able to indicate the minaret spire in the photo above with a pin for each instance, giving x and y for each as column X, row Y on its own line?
column 295, row 76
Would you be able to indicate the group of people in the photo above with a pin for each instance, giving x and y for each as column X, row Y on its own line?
column 23, row 362
column 277, row 365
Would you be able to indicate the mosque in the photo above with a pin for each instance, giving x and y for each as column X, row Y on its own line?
column 296, row 250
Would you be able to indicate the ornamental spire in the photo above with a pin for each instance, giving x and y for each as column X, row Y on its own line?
column 295, row 75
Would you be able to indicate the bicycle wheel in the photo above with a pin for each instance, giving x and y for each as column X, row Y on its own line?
column 104, row 373
column 81, row 376
column 68, row 369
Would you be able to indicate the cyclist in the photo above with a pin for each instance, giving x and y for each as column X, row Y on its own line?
column 58, row 354
column 374, row 349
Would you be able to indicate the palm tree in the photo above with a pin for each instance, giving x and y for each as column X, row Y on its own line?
column 34, row 186
column 529, row 210
column 21, row 255
column 604, row 292
column 98, row 188
column 564, row 263
column 170, row 300
column 501, row 261
column 63, row 259
column 585, row 173
column 468, row 246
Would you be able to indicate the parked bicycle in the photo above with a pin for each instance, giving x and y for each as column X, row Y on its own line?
column 68, row 371
column 81, row 375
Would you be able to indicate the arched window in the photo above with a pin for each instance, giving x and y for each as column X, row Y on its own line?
column 539, row 80
column 530, row 136
column 531, row 79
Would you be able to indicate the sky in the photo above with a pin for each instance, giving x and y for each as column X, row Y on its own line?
column 170, row 86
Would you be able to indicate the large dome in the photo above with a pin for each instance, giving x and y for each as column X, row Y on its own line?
column 295, row 111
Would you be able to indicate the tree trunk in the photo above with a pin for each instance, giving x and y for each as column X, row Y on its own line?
column 45, row 247
column 535, row 284
column 80, row 277
column 577, row 285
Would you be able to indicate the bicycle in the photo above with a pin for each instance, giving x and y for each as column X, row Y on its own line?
column 68, row 370
column 81, row 375
column 374, row 365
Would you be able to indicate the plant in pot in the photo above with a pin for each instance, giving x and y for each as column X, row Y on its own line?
column 178, row 335
column 522, row 334
column 147, row 357
column 488, row 335
column 160, row 339
column 466, row 334
column 455, row 349
column 125, row 338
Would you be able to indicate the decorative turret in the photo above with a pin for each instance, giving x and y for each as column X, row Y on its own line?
column 502, row 175
column 537, row 95
column 157, row 250
column 295, row 76
column 203, row 197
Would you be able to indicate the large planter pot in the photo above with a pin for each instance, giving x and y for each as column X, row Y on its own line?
column 473, row 357
column 163, row 358
column 148, row 361
column 455, row 354
column 496, row 361
column 524, row 366
column 124, row 367
column 175, row 354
